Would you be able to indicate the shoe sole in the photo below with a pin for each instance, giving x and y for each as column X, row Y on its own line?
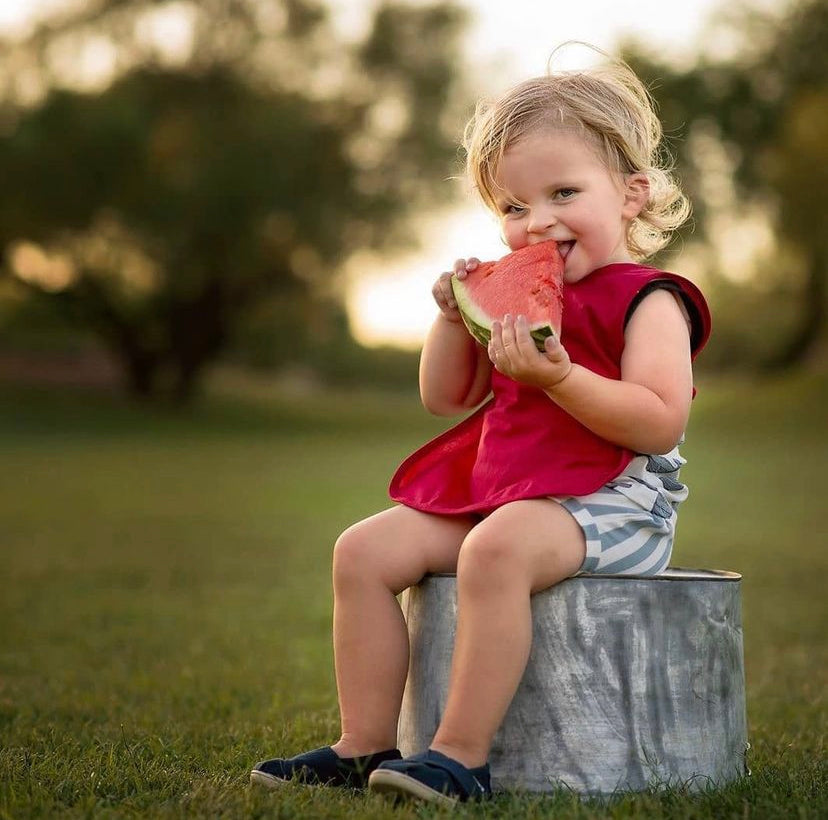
column 258, row 778
column 398, row 784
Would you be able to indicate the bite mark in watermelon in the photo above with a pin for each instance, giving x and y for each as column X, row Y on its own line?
column 526, row 282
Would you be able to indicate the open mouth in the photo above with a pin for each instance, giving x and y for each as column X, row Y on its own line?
column 565, row 248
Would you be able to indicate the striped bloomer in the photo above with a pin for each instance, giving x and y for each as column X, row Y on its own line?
column 629, row 523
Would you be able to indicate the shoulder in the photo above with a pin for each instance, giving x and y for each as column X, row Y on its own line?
column 659, row 313
column 686, row 296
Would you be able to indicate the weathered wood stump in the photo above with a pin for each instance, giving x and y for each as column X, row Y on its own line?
column 632, row 683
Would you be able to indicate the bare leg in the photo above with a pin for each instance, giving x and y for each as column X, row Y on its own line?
column 374, row 561
column 521, row 548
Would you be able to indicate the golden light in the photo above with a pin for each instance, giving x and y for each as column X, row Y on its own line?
column 33, row 264
column 390, row 302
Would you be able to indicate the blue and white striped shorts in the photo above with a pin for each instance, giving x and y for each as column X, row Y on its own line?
column 629, row 524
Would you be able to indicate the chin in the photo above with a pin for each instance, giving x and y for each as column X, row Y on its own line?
column 574, row 274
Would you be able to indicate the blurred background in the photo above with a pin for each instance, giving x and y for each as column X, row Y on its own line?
column 220, row 221
column 273, row 185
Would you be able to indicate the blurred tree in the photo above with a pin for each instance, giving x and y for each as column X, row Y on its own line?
column 761, row 115
column 177, row 188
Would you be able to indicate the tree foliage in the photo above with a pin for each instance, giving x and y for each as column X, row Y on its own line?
column 765, row 109
column 159, row 208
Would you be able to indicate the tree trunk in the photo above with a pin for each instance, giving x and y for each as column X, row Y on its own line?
column 197, row 333
column 186, row 381
column 141, row 370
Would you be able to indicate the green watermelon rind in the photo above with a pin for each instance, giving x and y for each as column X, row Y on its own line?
column 479, row 324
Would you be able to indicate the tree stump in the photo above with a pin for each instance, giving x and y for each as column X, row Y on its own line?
column 632, row 683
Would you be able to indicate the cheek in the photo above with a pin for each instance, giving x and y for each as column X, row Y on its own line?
column 514, row 235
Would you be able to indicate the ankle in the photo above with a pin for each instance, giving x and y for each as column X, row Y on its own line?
column 347, row 747
column 470, row 758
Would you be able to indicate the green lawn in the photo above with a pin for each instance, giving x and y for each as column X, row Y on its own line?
column 165, row 598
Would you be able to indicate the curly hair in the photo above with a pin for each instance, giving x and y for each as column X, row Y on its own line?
column 612, row 108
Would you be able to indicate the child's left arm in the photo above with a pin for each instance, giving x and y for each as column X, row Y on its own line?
column 647, row 409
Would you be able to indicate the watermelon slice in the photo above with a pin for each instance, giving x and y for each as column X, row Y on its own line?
column 528, row 281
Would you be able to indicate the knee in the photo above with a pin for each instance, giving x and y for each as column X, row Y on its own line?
column 352, row 556
column 487, row 557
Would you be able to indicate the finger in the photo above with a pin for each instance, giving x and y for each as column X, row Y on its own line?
column 508, row 334
column 451, row 301
column 556, row 352
column 447, row 289
column 472, row 264
column 496, row 342
column 552, row 346
column 523, row 338
column 460, row 267
column 443, row 293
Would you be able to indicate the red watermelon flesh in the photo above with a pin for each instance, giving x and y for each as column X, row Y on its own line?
column 525, row 282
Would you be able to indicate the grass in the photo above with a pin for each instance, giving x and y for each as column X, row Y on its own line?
column 165, row 599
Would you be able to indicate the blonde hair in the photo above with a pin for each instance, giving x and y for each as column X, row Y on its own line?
column 611, row 107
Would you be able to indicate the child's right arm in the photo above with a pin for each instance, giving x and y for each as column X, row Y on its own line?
column 455, row 371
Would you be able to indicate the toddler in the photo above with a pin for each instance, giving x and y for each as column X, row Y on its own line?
column 568, row 464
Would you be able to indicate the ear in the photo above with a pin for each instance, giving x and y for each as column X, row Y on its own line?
column 636, row 194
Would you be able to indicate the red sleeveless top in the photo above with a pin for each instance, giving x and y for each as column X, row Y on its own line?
column 520, row 444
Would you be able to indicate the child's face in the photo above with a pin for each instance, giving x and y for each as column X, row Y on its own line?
column 567, row 193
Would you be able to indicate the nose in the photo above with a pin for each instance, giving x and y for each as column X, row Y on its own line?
column 541, row 219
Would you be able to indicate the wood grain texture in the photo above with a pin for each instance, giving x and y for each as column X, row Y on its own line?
column 632, row 683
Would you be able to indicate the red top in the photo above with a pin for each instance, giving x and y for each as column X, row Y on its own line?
column 520, row 444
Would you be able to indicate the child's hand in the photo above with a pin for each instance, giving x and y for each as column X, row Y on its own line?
column 513, row 352
column 444, row 295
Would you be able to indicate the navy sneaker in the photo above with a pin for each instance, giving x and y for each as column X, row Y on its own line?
column 320, row 767
column 433, row 777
